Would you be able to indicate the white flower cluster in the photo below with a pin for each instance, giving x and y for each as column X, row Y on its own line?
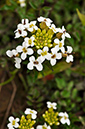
column 52, row 52
column 64, row 118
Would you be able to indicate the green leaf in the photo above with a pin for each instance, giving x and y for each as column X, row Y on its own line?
column 32, row 5
column 81, row 16
column 59, row 67
column 46, row 8
column 60, row 83
column 65, row 94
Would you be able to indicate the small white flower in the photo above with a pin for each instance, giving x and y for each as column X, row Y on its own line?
column 11, row 53
column 43, row 126
column 46, row 20
column 22, row 3
column 44, row 53
column 54, row 55
column 20, row 31
column 17, row 62
column 29, row 41
column 69, row 58
column 13, row 123
column 51, row 105
column 25, row 51
column 32, row 112
column 25, row 23
column 64, row 118
column 64, row 33
column 32, row 26
column 35, row 63
column 59, row 45
column 53, row 27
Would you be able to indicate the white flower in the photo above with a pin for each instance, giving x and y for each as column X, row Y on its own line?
column 59, row 45
column 64, row 33
column 69, row 57
column 32, row 112
column 46, row 20
column 17, row 62
column 22, row 3
column 43, row 126
column 53, row 27
column 32, row 26
column 29, row 41
column 64, row 118
column 11, row 53
column 44, row 53
column 35, row 63
column 13, row 123
column 51, row 105
column 20, row 31
column 25, row 51
column 54, row 55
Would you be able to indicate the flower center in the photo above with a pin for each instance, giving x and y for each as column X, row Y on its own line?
column 29, row 41
column 53, row 56
column 31, row 111
column 19, row 31
column 43, row 127
column 13, row 122
column 31, row 25
column 44, row 53
column 42, row 39
column 60, row 44
column 65, row 117
column 24, row 50
column 36, row 62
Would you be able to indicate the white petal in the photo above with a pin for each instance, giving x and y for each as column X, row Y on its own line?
column 32, row 59
column 45, row 49
column 56, row 41
column 30, row 66
column 68, row 121
column 14, row 52
column 39, row 67
column 58, row 56
column 63, row 36
column 16, row 125
column 27, row 111
column 34, row 116
column 9, row 125
column 61, row 114
column 67, row 35
column 63, row 28
column 53, row 62
column 25, row 21
column 62, row 120
column 19, row 48
column 32, row 37
column 30, row 29
column 39, row 51
column 39, row 127
column 66, row 114
column 9, row 53
column 40, row 59
column 69, row 49
column 17, row 60
column 17, row 119
column 11, row 118
column 48, row 56
column 69, row 58
column 23, row 56
column 24, row 33
column 17, row 65
column 29, row 51
column 62, row 49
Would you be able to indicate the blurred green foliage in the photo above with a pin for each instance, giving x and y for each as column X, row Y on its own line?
column 67, row 87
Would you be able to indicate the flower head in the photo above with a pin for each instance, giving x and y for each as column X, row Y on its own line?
column 35, row 63
column 22, row 3
column 64, row 118
column 13, row 123
column 46, row 20
column 25, row 50
column 12, row 53
column 51, row 105
column 64, row 33
column 29, row 41
column 32, row 112
column 32, row 26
